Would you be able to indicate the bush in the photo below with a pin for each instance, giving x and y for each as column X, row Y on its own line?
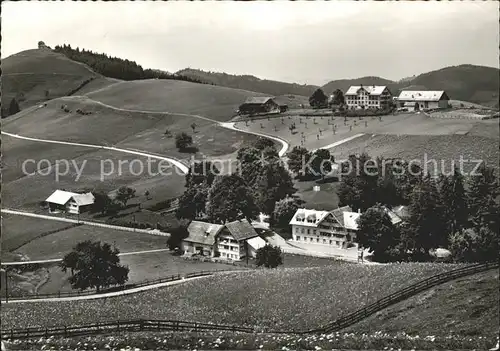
column 162, row 205
column 362, row 113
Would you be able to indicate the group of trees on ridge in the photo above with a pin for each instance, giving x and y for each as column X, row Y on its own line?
column 114, row 67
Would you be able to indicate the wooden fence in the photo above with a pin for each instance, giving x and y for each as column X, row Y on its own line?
column 117, row 327
column 124, row 287
column 169, row 325
column 400, row 295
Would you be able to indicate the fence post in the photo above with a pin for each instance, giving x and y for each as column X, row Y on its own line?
column 46, row 332
column 27, row 332
column 12, row 334
column 65, row 331
column 59, row 293
column 118, row 326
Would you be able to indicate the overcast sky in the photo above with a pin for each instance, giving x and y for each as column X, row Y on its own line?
column 304, row 42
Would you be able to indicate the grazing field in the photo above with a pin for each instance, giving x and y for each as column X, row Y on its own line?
column 399, row 124
column 143, row 267
column 446, row 150
column 218, row 103
column 259, row 298
column 466, row 306
column 41, row 75
column 20, row 230
column 103, row 170
column 60, row 243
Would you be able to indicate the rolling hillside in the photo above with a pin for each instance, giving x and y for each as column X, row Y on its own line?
column 38, row 75
column 477, row 84
column 248, row 82
column 344, row 84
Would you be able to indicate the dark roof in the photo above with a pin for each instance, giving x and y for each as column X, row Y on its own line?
column 258, row 99
column 339, row 214
column 203, row 232
column 241, row 230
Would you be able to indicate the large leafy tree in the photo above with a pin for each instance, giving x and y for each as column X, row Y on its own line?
column 230, row 199
column 481, row 198
column 177, row 235
column 425, row 228
column 94, row 265
column 338, row 98
column 376, row 232
column 272, row 183
column 183, row 141
column 192, row 204
column 284, row 211
column 269, row 256
column 297, row 159
column 474, row 245
column 318, row 99
column 124, row 194
column 321, row 163
column 252, row 160
column 453, row 201
column 358, row 187
column 201, row 172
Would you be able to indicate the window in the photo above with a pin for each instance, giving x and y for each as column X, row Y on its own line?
column 324, row 241
column 308, row 231
column 330, row 242
column 317, row 240
column 297, row 229
column 298, row 238
column 223, row 254
column 311, row 239
column 338, row 243
column 226, row 247
column 314, row 231
column 302, row 231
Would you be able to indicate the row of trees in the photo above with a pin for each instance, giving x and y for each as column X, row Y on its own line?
column 260, row 182
column 319, row 99
column 115, row 67
column 448, row 211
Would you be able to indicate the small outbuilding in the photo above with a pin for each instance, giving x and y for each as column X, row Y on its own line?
column 258, row 104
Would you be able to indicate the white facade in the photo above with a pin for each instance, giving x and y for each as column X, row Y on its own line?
column 229, row 248
column 423, row 100
column 372, row 96
column 335, row 229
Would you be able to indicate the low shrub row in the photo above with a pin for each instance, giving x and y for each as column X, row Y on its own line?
column 362, row 113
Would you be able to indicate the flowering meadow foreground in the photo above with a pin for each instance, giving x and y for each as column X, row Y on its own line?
column 268, row 300
column 235, row 341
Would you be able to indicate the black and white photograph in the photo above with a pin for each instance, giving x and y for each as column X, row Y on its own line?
column 250, row 175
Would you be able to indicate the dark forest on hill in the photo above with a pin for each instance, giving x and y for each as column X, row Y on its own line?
column 114, row 67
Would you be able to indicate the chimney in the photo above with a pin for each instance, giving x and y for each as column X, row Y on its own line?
column 359, row 210
column 361, row 85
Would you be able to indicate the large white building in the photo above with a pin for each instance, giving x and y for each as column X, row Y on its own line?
column 369, row 96
column 336, row 228
column 423, row 100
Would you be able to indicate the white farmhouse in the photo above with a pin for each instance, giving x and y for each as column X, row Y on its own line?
column 66, row 201
column 232, row 241
column 336, row 228
column 423, row 100
column 370, row 96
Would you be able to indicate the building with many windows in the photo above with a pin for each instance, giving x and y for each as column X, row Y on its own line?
column 333, row 228
column 232, row 241
column 370, row 96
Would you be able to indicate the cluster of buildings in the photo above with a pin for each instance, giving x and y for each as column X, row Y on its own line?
column 379, row 96
column 361, row 97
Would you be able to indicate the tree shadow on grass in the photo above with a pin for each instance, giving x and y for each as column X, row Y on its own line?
column 189, row 150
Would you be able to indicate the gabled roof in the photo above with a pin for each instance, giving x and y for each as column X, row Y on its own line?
column 351, row 220
column 371, row 89
column 241, row 230
column 420, row 95
column 256, row 242
column 203, row 232
column 338, row 214
column 84, row 199
column 308, row 218
column 258, row 99
column 60, row 197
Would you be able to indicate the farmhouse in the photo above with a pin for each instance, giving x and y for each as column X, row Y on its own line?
column 258, row 104
column 423, row 100
column 371, row 96
column 65, row 201
column 231, row 241
column 333, row 228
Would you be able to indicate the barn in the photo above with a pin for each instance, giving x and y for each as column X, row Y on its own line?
column 66, row 201
column 258, row 104
column 423, row 100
